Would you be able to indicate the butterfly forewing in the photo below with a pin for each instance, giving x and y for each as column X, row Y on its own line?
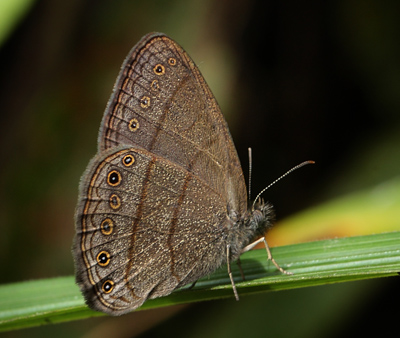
column 162, row 103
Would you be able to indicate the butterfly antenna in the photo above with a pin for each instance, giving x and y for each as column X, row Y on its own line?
column 279, row 178
column 250, row 169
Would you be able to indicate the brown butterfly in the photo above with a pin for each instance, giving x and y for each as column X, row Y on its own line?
column 164, row 201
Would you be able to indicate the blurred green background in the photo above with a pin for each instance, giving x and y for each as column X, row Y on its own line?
column 295, row 81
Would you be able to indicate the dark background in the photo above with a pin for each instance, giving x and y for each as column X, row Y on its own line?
column 296, row 81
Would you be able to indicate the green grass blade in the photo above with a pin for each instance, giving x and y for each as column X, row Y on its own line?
column 11, row 12
column 55, row 300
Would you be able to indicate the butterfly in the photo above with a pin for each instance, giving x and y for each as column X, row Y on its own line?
column 164, row 201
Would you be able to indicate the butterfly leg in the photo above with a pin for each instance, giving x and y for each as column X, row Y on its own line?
column 240, row 268
column 262, row 239
column 192, row 285
column 228, row 261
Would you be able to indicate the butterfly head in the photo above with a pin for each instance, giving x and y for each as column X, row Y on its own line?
column 260, row 218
